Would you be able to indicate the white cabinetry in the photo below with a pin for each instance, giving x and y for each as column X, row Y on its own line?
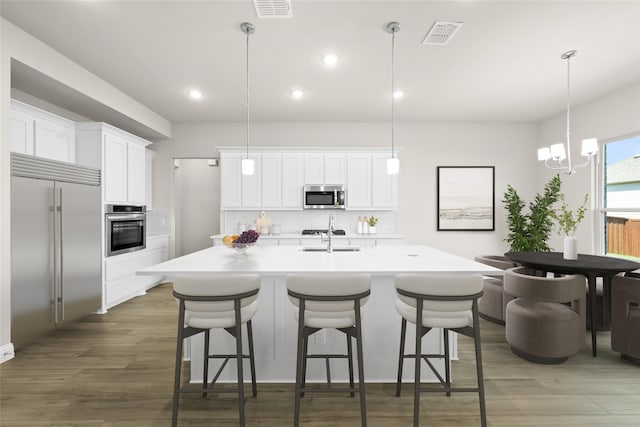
column 121, row 281
column 359, row 180
column 292, row 180
column 39, row 133
column 280, row 174
column 115, row 169
column 136, row 176
column 120, row 155
column 271, row 180
column 324, row 169
column 383, row 186
column 230, row 181
column 251, row 195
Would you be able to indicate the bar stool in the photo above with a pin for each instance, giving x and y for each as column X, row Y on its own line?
column 329, row 301
column 442, row 301
column 216, row 302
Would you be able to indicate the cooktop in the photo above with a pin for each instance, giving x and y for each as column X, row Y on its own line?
column 315, row 232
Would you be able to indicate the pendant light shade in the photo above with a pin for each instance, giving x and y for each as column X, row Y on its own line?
column 393, row 163
column 248, row 165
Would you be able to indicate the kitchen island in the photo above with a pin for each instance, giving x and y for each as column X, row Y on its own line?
column 274, row 326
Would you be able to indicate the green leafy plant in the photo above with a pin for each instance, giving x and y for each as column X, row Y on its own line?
column 373, row 221
column 530, row 231
column 569, row 220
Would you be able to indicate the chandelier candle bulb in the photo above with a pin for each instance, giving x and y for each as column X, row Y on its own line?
column 589, row 146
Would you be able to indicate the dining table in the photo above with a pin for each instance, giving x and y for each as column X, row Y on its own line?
column 590, row 266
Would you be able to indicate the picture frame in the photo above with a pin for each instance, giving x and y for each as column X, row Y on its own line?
column 466, row 198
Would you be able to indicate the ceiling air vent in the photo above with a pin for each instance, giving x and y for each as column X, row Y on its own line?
column 273, row 8
column 441, row 32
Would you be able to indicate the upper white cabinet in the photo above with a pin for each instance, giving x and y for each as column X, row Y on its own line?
column 281, row 173
column 324, row 169
column 115, row 176
column 40, row 133
column 230, row 180
column 292, row 180
column 271, row 180
column 384, row 186
column 359, row 180
column 120, row 155
column 136, row 176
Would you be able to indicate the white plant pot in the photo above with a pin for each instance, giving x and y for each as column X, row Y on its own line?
column 570, row 248
column 372, row 229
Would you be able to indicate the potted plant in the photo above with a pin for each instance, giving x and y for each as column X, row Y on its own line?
column 372, row 224
column 530, row 231
column 568, row 222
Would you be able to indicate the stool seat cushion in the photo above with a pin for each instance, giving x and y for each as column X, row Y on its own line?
column 436, row 319
column 327, row 319
column 219, row 319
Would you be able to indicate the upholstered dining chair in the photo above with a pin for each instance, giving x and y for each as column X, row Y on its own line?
column 493, row 304
column 546, row 322
column 216, row 302
column 625, row 316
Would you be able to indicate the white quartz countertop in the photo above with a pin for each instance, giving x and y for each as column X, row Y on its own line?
column 280, row 260
column 317, row 236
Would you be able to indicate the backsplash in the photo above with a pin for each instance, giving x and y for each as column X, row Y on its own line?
column 296, row 221
column 158, row 222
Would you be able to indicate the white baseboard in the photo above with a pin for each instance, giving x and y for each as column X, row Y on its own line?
column 6, row 352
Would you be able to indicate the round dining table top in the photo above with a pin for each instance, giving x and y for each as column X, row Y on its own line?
column 585, row 264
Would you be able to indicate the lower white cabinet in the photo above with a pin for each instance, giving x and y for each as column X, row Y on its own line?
column 121, row 281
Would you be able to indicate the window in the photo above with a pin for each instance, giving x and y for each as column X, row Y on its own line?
column 619, row 205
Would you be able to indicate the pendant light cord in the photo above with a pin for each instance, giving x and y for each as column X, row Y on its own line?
column 569, row 111
column 248, row 95
column 393, row 44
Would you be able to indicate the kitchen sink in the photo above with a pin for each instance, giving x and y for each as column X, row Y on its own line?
column 335, row 249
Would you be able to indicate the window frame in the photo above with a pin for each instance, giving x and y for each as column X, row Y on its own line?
column 598, row 190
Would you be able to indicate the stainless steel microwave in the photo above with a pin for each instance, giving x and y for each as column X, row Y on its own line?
column 324, row 197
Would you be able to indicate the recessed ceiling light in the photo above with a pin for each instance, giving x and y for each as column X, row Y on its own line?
column 297, row 93
column 195, row 94
column 398, row 94
column 330, row 59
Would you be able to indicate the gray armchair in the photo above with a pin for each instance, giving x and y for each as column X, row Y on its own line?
column 493, row 303
column 625, row 317
column 546, row 322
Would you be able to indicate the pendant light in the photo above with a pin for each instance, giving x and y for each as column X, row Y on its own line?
column 556, row 152
column 247, row 163
column 393, row 163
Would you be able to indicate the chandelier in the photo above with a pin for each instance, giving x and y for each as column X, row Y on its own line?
column 557, row 157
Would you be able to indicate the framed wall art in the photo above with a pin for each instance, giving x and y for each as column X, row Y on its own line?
column 466, row 198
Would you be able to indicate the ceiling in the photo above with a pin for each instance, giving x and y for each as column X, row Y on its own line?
column 502, row 65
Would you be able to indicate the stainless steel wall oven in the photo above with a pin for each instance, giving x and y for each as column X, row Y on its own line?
column 125, row 228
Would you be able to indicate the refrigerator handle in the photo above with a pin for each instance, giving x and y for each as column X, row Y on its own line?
column 60, row 300
column 54, row 251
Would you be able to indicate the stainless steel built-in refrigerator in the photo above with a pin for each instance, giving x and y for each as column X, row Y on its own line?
column 56, row 252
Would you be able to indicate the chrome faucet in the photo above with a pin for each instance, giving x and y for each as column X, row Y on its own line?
column 330, row 229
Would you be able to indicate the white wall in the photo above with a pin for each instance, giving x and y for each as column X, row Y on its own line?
column 422, row 148
column 609, row 117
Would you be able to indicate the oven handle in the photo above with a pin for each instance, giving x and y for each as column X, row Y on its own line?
column 125, row 217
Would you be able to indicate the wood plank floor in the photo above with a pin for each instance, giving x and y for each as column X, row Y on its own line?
column 117, row 370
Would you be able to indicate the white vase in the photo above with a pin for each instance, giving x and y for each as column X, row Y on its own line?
column 372, row 229
column 570, row 248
